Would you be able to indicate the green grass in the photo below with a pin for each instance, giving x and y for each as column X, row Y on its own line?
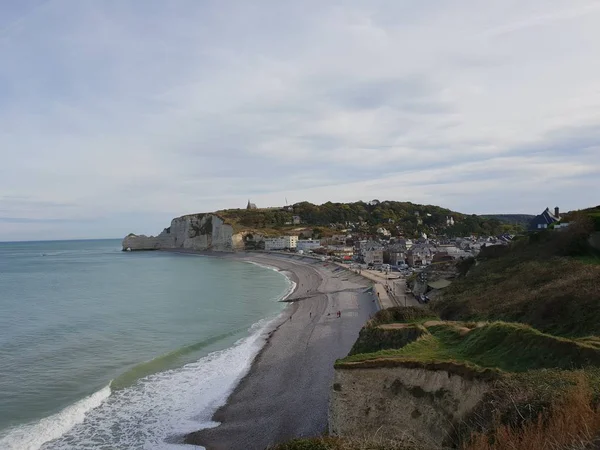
column 373, row 338
column 589, row 259
column 510, row 347
column 558, row 295
column 403, row 314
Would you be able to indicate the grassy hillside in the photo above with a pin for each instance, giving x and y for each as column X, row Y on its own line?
column 547, row 280
column 507, row 346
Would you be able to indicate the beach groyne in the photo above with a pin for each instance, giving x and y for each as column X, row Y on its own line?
column 192, row 232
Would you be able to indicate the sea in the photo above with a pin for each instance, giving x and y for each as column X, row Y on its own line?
column 104, row 349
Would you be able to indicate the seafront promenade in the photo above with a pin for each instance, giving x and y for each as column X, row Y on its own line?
column 389, row 288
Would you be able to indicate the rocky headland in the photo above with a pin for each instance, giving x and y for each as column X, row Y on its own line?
column 192, row 232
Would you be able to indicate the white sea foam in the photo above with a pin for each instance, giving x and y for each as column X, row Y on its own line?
column 159, row 407
column 153, row 412
column 292, row 283
column 33, row 436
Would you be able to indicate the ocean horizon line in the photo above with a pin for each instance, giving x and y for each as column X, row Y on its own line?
column 61, row 240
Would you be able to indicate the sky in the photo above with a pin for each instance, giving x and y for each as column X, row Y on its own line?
column 117, row 115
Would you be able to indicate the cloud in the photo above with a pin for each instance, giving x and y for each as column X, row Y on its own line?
column 114, row 117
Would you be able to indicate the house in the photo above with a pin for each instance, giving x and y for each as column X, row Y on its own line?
column 341, row 251
column 397, row 254
column 296, row 220
column 408, row 243
column 251, row 205
column 419, row 219
column 453, row 251
column 341, row 238
column 373, row 254
column 544, row 220
column 308, row 244
column 420, row 255
column 363, row 244
column 383, row 232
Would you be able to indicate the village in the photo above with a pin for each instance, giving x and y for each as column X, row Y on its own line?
column 404, row 271
column 386, row 250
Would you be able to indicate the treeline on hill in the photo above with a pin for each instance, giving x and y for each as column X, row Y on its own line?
column 398, row 217
column 522, row 220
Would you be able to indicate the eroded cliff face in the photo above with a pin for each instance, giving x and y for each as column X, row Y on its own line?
column 193, row 232
column 424, row 405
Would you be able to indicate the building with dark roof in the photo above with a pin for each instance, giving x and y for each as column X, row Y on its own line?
column 545, row 219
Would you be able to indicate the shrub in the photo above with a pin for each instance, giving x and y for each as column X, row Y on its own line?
column 397, row 314
column 572, row 421
column 373, row 339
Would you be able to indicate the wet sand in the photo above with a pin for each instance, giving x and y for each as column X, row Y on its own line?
column 285, row 394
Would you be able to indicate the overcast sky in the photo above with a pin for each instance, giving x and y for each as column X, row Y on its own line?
column 117, row 115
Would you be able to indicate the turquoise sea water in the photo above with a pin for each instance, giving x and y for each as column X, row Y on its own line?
column 105, row 349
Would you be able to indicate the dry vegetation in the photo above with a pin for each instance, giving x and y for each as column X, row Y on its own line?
column 572, row 422
column 335, row 443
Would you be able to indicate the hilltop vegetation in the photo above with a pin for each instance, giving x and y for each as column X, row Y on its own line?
column 521, row 220
column 398, row 217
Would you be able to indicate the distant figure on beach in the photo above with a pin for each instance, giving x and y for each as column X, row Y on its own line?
column 310, row 314
column 290, row 318
column 339, row 314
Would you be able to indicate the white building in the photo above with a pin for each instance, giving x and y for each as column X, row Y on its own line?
column 308, row 244
column 277, row 243
column 291, row 241
column 384, row 232
column 281, row 243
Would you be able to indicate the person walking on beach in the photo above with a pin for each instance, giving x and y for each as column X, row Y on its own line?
column 310, row 314
column 339, row 314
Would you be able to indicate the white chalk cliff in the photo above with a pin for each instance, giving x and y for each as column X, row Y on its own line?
column 194, row 232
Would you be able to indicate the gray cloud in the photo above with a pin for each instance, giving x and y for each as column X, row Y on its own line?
column 121, row 117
